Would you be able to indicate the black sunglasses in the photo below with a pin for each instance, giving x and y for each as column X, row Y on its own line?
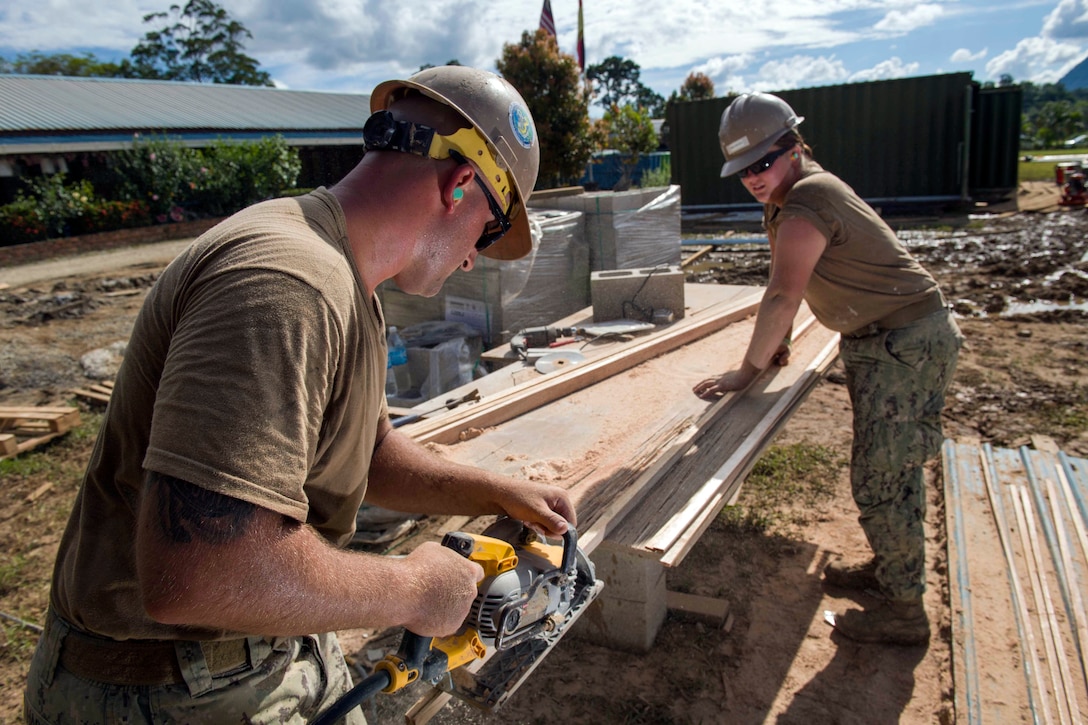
column 764, row 163
column 500, row 225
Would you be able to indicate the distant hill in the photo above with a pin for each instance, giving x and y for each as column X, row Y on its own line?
column 1076, row 78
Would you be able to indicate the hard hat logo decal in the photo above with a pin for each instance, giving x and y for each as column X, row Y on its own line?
column 521, row 123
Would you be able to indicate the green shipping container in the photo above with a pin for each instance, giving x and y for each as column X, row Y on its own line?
column 925, row 141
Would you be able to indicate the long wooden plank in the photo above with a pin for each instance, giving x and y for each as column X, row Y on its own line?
column 1040, row 465
column 622, row 505
column 1044, row 608
column 547, row 388
column 726, row 482
column 1076, row 600
column 1028, row 646
column 676, row 502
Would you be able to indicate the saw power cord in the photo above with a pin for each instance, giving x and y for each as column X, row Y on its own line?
column 644, row 314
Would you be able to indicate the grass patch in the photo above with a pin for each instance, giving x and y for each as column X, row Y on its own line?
column 1043, row 170
column 1069, row 417
column 786, row 487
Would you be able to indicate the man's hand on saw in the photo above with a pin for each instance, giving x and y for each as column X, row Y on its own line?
column 448, row 583
column 543, row 507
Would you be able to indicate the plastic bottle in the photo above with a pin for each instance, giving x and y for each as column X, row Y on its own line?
column 397, row 381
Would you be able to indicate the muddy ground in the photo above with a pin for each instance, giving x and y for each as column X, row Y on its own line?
column 1019, row 283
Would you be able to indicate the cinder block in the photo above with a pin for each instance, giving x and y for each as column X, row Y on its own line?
column 620, row 624
column 625, row 229
column 633, row 294
column 632, row 607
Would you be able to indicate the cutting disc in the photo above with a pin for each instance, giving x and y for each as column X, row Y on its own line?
column 557, row 361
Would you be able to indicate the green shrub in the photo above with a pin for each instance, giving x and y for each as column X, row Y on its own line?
column 158, row 180
column 234, row 175
column 59, row 205
column 159, row 172
column 20, row 222
column 107, row 215
column 661, row 176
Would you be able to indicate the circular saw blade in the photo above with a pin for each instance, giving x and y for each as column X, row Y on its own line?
column 554, row 361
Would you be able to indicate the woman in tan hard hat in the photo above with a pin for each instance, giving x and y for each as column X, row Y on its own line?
column 899, row 347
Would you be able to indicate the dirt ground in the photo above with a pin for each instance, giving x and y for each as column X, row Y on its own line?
column 1019, row 283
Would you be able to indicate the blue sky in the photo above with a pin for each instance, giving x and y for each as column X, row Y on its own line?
column 743, row 45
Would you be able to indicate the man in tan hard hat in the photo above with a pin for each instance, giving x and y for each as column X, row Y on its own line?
column 201, row 576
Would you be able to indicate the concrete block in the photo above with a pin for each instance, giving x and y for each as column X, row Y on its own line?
column 625, row 229
column 620, row 624
column 632, row 607
column 634, row 294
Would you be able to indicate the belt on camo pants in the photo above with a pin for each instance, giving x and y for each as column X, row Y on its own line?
column 140, row 662
column 902, row 317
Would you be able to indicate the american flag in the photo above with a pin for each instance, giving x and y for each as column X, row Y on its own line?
column 547, row 22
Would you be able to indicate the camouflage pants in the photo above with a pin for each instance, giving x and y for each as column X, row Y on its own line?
column 288, row 680
column 897, row 381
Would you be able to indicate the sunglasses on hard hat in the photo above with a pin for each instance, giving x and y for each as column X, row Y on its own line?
column 764, row 163
column 500, row 225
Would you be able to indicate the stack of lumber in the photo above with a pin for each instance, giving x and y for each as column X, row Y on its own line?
column 24, row 428
column 1018, row 575
column 647, row 463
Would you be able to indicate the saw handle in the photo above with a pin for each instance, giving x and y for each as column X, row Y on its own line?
column 570, row 551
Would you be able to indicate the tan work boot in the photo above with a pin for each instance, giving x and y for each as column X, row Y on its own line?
column 892, row 622
column 852, row 576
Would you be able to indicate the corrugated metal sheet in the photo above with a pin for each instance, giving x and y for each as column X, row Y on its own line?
column 903, row 140
column 995, row 142
column 35, row 104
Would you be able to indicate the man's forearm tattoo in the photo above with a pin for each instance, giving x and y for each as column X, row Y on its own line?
column 188, row 512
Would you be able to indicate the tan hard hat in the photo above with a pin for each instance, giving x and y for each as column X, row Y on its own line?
column 500, row 115
column 750, row 126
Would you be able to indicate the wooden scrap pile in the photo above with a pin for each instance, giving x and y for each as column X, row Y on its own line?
column 24, row 428
column 96, row 392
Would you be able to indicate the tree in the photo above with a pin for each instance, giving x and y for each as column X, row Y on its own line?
column 203, row 44
column 616, row 82
column 60, row 64
column 696, row 87
column 629, row 130
column 549, row 82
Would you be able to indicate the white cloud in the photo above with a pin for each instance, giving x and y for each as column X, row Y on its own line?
column 962, row 55
column 884, row 70
column 899, row 22
column 721, row 66
column 1040, row 60
column 1068, row 20
column 725, row 72
column 800, row 71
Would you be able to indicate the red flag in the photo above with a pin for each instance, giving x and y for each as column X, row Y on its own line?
column 581, row 39
column 547, row 22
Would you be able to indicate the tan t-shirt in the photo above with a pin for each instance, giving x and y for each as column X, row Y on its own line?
column 866, row 273
column 255, row 369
